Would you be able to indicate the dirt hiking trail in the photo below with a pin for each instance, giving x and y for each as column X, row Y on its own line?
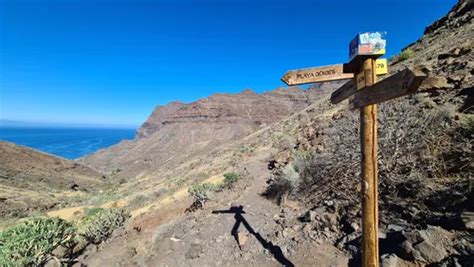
column 171, row 237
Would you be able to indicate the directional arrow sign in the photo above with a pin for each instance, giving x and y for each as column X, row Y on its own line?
column 403, row 83
column 313, row 75
column 326, row 73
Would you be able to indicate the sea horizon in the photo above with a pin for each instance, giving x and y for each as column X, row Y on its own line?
column 67, row 142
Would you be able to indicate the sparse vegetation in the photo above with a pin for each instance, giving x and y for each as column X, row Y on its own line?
column 201, row 193
column 32, row 241
column 246, row 149
column 99, row 223
column 230, row 179
column 416, row 143
column 285, row 182
column 141, row 199
column 406, row 54
column 283, row 141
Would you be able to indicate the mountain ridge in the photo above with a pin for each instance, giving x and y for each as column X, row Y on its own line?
column 179, row 128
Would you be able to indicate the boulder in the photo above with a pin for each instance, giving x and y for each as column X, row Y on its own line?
column 429, row 252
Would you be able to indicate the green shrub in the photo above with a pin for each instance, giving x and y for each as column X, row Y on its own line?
column 230, row 179
column 285, row 182
column 406, row 54
column 99, row 223
column 202, row 193
column 246, row 150
column 30, row 242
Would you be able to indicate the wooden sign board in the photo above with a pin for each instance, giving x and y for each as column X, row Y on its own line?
column 313, row 75
column 326, row 73
column 405, row 82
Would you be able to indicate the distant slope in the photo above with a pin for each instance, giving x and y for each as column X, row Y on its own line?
column 29, row 178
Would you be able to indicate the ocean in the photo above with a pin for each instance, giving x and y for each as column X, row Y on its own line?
column 70, row 143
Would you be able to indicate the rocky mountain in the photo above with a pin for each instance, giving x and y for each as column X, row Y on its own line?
column 29, row 179
column 177, row 130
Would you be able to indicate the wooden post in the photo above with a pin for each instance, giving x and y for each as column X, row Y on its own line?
column 368, row 139
column 364, row 93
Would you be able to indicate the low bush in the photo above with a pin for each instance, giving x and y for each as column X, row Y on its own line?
column 201, row 193
column 98, row 223
column 32, row 241
column 230, row 179
column 429, row 146
column 284, row 183
column 406, row 54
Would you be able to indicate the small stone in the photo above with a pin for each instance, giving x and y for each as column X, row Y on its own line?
column 52, row 263
column 242, row 238
column 329, row 203
column 355, row 226
column 394, row 228
column 467, row 219
column 59, row 251
column 389, row 260
column 309, row 216
column 456, row 51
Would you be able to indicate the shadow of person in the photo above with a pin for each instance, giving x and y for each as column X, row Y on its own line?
column 239, row 219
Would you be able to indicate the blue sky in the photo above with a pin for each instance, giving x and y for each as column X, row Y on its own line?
column 112, row 62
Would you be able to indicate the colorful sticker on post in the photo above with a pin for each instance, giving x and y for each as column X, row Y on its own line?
column 368, row 43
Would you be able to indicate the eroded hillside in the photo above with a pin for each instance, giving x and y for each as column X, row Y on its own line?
column 34, row 181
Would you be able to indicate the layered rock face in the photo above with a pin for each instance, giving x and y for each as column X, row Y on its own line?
column 178, row 130
column 246, row 107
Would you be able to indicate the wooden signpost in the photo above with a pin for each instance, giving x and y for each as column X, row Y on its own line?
column 365, row 93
